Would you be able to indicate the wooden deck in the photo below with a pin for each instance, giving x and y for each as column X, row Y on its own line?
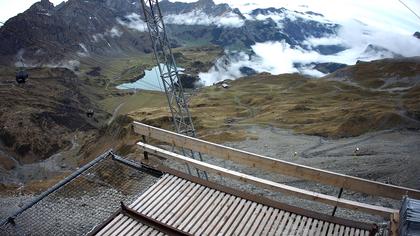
column 198, row 207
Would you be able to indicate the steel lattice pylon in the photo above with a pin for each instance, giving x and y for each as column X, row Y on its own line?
column 169, row 74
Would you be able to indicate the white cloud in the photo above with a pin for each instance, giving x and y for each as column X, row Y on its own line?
column 114, row 32
column 385, row 24
column 134, row 22
column 355, row 34
column 226, row 67
column 331, row 40
column 280, row 57
column 200, row 18
column 385, row 14
column 229, row 67
column 388, row 26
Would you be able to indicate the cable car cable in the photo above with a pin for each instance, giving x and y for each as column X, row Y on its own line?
column 412, row 11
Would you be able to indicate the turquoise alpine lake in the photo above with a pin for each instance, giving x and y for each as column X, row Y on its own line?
column 150, row 81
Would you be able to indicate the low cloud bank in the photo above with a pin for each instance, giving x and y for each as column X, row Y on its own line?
column 133, row 21
column 229, row 67
column 362, row 42
column 200, row 18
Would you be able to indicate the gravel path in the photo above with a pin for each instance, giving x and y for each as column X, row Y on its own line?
column 389, row 156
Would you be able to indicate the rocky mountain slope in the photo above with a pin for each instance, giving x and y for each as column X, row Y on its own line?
column 47, row 34
column 74, row 29
column 41, row 117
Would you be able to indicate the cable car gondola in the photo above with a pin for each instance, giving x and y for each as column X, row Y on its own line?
column 22, row 75
column 90, row 113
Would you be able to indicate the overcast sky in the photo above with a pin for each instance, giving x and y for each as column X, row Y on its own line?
column 381, row 13
column 10, row 8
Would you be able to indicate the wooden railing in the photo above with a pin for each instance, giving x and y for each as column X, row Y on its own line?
column 277, row 166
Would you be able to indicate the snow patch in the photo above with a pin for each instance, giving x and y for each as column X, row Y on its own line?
column 83, row 47
column 85, row 51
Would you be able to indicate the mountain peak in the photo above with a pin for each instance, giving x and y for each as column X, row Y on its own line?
column 206, row 2
column 46, row 4
column 42, row 6
column 206, row 6
column 268, row 11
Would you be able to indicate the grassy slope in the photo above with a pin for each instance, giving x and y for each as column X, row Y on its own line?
column 134, row 101
column 326, row 107
column 378, row 74
column 41, row 117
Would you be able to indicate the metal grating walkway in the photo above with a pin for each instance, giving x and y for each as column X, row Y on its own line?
column 197, row 209
column 83, row 202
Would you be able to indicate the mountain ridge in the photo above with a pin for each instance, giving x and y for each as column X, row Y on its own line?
column 77, row 29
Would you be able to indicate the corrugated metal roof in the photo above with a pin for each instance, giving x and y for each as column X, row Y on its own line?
column 410, row 217
column 202, row 210
column 124, row 225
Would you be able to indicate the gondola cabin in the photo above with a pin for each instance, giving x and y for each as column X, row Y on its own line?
column 90, row 113
column 21, row 76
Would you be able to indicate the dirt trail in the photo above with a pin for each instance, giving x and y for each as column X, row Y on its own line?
column 250, row 109
column 115, row 113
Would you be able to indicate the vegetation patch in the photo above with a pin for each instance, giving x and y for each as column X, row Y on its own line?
column 327, row 107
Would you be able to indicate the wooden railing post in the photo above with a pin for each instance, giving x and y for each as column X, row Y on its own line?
column 145, row 153
column 339, row 196
column 394, row 227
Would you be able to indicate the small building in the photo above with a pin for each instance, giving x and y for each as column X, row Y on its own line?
column 225, row 85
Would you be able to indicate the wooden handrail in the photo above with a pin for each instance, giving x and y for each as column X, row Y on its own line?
column 293, row 191
column 277, row 166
